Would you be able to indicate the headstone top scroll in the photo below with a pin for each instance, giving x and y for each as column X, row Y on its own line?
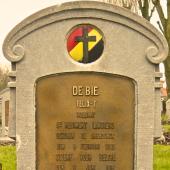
column 14, row 52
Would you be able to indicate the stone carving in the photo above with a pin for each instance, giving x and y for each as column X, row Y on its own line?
column 15, row 53
column 154, row 55
column 133, row 49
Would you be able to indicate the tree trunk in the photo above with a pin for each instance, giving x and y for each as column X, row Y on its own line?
column 167, row 74
column 167, row 61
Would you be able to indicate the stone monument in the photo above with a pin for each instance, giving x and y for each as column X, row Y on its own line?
column 4, row 110
column 85, row 88
column 168, row 107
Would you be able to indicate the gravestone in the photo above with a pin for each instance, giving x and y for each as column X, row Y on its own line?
column 85, row 89
column 0, row 116
column 4, row 110
column 168, row 107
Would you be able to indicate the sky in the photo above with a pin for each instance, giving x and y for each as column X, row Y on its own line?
column 14, row 11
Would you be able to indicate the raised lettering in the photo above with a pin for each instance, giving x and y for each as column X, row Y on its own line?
column 60, row 167
column 60, row 147
column 103, row 125
column 64, row 157
column 65, row 135
column 85, row 157
column 85, row 90
column 91, row 167
column 90, row 146
column 86, row 114
column 77, row 90
column 107, row 157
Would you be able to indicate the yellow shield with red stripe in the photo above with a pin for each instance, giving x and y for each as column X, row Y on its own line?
column 85, row 44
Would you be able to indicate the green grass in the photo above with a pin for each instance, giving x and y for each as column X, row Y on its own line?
column 161, row 157
column 165, row 117
column 166, row 128
column 8, row 157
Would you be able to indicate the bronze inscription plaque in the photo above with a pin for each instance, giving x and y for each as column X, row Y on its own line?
column 85, row 121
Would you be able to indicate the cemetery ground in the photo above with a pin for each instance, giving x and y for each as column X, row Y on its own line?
column 161, row 157
column 8, row 157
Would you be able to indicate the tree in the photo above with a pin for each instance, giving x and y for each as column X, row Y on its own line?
column 129, row 4
column 3, row 78
column 164, row 25
column 147, row 8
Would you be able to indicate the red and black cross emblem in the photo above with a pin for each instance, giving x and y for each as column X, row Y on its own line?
column 85, row 44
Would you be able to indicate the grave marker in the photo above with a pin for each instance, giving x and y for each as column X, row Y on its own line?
column 4, row 110
column 76, row 110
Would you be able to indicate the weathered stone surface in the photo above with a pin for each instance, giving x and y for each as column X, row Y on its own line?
column 104, row 138
column 4, row 110
column 168, row 107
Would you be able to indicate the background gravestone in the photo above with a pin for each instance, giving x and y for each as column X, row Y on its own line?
column 75, row 107
column 168, row 107
column 4, row 110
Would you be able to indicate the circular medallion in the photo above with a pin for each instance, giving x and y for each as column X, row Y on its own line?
column 85, row 44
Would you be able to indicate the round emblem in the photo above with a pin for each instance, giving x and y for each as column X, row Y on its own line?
column 85, row 44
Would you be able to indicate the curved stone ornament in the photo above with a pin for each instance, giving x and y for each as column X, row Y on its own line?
column 69, row 11
column 155, row 56
column 15, row 54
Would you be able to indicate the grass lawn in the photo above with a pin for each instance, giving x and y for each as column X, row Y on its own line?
column 8, row 157
column 161, row 157
column 166, row 128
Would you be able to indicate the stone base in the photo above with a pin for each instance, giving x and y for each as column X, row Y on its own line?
column 6, row 141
